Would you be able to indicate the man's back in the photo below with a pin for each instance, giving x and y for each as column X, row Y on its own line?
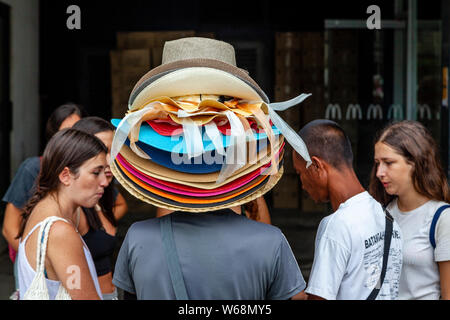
column 349, row 253
column 222, row 256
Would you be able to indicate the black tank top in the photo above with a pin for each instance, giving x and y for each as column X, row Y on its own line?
column 101, row 245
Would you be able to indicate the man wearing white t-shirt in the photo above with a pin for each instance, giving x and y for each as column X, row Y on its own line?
column 349, row 245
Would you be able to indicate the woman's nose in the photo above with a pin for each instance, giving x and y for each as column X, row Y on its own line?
column 104, row 180
column 380, row 171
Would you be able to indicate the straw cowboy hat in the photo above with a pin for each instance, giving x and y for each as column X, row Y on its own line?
column 182, row 107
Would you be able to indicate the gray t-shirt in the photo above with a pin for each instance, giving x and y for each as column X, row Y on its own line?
column 223, row 256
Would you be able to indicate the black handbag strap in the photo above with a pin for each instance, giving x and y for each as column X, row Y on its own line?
column 172, row 258
column 387, row 245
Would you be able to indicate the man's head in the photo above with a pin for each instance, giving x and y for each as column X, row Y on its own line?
column 330, row 151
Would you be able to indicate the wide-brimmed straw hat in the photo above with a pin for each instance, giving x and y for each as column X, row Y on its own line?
column 163, row 120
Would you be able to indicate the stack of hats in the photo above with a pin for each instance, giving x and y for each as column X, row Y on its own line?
column 199, row 134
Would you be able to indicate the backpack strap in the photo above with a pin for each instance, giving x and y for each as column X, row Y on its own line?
column 173, row 263
column 434, row 223
column 387, row 245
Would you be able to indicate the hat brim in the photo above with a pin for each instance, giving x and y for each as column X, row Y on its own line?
column 157, row 201
column 168, row 68
column 195, row 80
column 175, row 188
column 207, row 162
column 204, row 181
column 189, row 200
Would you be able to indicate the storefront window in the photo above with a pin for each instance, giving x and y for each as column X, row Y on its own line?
column 429, row 76
column 360, row 89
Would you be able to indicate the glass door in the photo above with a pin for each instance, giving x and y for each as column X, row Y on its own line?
column 360, row 93
column 374, row 77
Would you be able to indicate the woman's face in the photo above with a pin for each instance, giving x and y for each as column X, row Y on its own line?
column 310, row 179
column 393, row 171
column 107, row 137
column 69, row 121
column 88, row 184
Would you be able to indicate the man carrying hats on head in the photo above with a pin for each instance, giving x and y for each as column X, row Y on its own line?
column 199, row 140
column 358, row 251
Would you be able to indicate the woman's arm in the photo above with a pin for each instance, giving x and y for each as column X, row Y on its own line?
column 444, row 273
column 11, row 225
column 120, row 207
column 300, row 296
column 68, row 262
column 263, row 211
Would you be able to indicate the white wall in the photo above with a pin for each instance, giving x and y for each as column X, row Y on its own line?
column 24, row 93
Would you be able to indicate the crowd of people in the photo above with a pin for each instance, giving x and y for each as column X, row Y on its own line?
column 389, row 242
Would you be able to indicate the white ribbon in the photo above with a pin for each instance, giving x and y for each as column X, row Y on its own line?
column 192, row 138
column 281, row 106
column 236, row 154
column 252, row 145
column 289, row 134
column 124, row 128
column 215, row 136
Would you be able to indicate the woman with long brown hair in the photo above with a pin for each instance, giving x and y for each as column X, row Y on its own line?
column 72, row 175
column 408, row 178
column 22, row 186
column 98, row 225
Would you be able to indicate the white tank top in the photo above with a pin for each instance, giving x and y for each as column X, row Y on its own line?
column 26, row 273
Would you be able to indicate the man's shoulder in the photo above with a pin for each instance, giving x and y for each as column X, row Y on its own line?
column 353, row 216
column 144, row 224
column 363, row 207
column 31, row 165
column 251, row 227
column 31, row 162
column 333, row 225
column 236, row 225
column 144, row 228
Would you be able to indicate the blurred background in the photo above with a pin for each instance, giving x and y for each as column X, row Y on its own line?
column 362, row 78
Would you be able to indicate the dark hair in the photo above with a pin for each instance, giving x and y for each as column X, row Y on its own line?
column 411, row 140
column 59, row 115
column 326, row 140
column 252, row 208
column 67, row 148
column 94, row 125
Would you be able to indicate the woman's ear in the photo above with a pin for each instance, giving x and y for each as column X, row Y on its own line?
column 65, row 176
